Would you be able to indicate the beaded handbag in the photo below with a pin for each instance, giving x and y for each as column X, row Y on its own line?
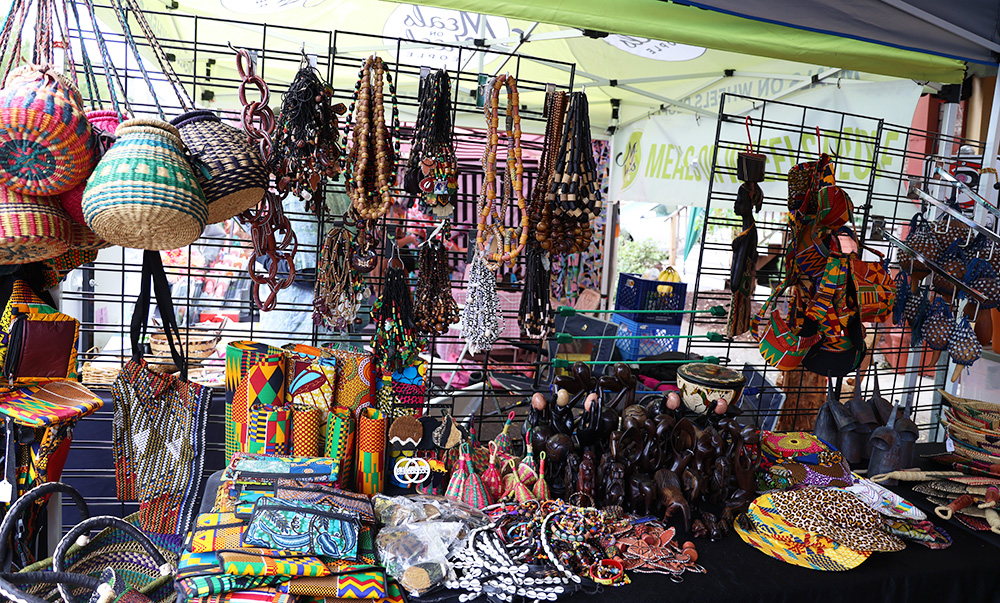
column 46, row 144
column 236, row 177
column 921, row 239
column 982, row 277
column 963, row 346
column 143, row 193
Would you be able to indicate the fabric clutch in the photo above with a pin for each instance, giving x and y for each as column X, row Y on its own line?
column 216, row 531
column 320, row 494
column 349, row 582
column 200, row 575
column 269, row 562
column 255, row 595
column 40, row 346
column 303, row 527
column 259, row 468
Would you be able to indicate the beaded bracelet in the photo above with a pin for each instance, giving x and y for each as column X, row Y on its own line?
column 607, row 571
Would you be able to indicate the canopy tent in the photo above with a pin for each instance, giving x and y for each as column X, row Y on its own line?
column 643, row 76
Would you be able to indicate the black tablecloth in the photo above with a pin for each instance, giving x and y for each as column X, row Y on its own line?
column 967, row 571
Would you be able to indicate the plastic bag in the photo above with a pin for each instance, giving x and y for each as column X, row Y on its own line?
column 417, row 554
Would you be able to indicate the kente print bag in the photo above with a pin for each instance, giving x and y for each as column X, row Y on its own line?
column 271, row 562
column 216, row 531
column 303, row 527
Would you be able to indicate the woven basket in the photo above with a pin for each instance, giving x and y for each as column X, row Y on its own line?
column 196, row 345
column 989, row 441
column 46, row 143
column 84, row 239
column 237, row 177
column 987, row 413
column 143, row 193
column 104, row 123
column 101, row 372
column 32, row 229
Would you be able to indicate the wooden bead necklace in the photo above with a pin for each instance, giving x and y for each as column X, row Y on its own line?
column 555, row 110
column 435, row 308
column 369, row 183
column 535, row 312
column 432, row 168
column 339, row 287
column 508, row 242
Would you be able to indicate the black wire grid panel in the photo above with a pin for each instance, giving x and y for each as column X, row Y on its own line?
column 102, row 294
column 876, row 162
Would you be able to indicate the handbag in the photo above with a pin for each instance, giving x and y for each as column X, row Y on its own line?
column 264, row 469
column 216, row 531
column 779, row 345
column 46, row 144
column 32, row 229
column 937, row 326
column 41, row 346
column 236, row 177
column 159, row 421
column 103, row 122
column 304, row 527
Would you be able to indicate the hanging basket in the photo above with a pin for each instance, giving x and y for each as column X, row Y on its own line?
column 236, row 178
column 46, row 143
column 32, row 228
column 144, row 193
column 103, row 122
column 84, row 239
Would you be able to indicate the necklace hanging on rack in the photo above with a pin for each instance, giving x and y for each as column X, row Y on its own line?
column 508, row 242
column 371, row 162
column 306, row 144
column 339, row 287
column 435, row 309
column 573, row 199
column 432, row 168
column 397, row 342
column 555, row 110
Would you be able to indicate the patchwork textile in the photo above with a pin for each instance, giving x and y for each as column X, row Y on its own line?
column 255, row 376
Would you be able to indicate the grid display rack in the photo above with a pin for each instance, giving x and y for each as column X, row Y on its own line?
column 878, row 164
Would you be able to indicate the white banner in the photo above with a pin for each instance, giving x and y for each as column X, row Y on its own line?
column 667, row 158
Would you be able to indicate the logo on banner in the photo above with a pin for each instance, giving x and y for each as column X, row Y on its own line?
column 657, row 50
column 631, row 159
column 427, row 24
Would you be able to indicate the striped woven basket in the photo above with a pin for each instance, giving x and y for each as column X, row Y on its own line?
column 32, row 228
column 84, row 239
column 144, row 193
column 236, row 174
column 104, row 122
column 46, row 143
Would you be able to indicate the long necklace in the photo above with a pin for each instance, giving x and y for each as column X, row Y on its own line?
column 538, row 211
column 508, row 241
column 481, row 319
column 432, row 168
column 396, row 343
column 534, row 314
column 435, row 308
column 371, row 164
column 339, row 286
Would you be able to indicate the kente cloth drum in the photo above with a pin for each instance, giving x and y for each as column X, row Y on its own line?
column 702, row 383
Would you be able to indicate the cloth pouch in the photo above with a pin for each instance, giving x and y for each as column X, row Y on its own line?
column 216, row 531
column 303, row 527
column 260, row 468
column 270, row 562
column 40, row 346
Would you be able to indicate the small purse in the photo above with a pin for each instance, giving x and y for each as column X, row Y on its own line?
column 259, row 468
column 200, row 575
column 303, row 527
column 779, row 345
column 216, row 531
column 873, row 287
column 982, row 277
column 320, row 494
column 937, row 326
column 953, row 261
column 41, row 346
column 270, row 562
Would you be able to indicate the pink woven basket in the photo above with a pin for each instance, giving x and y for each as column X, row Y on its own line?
column 46, row 143
column 103, row 121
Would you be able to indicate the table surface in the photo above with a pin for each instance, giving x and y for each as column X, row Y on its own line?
column 969, row 570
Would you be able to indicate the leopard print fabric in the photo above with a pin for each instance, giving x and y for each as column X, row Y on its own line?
column 838, row 515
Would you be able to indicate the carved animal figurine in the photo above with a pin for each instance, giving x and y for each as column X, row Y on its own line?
column 641, row 494
column 669, row 491
column 586, row 476
column 614, row 485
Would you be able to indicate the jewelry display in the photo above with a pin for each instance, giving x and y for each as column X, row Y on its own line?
column 505, row 243
column 397, row 342
column 306, row 142
column 435, row 308
column 481, row 319
column 555, row 111
column 371, row 161
column 431, row 170
column 339, row 286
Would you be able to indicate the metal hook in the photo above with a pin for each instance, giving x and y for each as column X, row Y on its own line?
column 436, row 232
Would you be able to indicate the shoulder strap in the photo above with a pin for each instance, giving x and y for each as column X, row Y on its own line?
column 153, row 276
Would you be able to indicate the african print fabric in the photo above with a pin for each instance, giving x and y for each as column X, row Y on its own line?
column 256, row 595
column 340, row 427
column 268, row 562
column 304, row 527
column 350, row 582
column 255, row 376
column 355, row 385
column 371, row 451
column 52, row 403
column 216, row 531
column 158, row 443
column 201, row 575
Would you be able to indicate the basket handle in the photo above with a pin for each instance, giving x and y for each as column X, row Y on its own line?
column 104, row 521
column 29, row 497
column 9, row 584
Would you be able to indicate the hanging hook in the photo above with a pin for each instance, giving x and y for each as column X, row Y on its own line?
column 749, row 122
column 437, row 230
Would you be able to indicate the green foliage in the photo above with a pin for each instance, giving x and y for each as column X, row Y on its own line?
column 636, row 257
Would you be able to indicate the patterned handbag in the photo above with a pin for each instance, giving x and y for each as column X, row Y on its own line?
column 216, row 531
column 159, row 423
column 874, row 288
column 304, row 527
column 953, row 261
column 779, row 345
column 321, row 494
column 963, row 346
column 264, row 469
column 982, row 277
column 270, row 562
column 937, row 326
column 921, row 239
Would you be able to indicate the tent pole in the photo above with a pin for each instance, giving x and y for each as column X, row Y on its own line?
column 990, row 149
column 819, row 78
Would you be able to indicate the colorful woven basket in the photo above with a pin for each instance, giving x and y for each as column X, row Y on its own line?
column 84, row 239
column 103, row 122
column 32, row 228
column 46, row 143
column 236, row 178
column 143, row 193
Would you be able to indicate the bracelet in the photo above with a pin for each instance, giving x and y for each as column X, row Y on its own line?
column 607, row 571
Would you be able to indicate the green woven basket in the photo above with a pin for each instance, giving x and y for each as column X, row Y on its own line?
column 144, row 194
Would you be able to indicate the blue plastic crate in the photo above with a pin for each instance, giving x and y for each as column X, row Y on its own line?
column 634, row 349
column 637, row 293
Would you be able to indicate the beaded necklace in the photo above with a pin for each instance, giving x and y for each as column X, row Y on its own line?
column 482, row 322
column 396, row 343
column 435, row 308
column 555, row 110
column 369, row 183
column 431, row 170
column 339, row 286
column 490, row 222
